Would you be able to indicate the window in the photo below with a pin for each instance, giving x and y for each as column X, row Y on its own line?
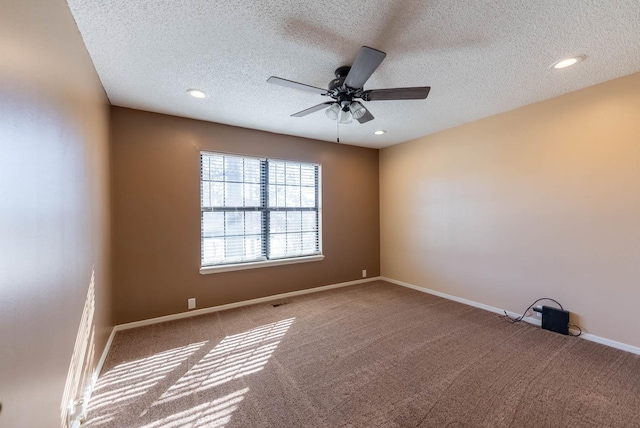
column 258, row 211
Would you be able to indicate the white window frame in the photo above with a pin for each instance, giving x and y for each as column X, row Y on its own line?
column 209, row 269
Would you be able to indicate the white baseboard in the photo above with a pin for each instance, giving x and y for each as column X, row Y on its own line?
column 103, row 357
column 94, row 378
column 530, row 320
column 611, row 343
column 203, row 311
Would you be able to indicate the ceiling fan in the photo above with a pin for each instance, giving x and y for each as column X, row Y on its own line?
column 347, row 88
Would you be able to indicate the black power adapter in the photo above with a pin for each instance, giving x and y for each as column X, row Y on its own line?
column 554, row 319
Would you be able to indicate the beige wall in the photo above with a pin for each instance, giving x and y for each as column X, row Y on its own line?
column 542, row 201
column 54, row 217
column 156, row 173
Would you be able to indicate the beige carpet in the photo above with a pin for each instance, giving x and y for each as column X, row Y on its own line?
column 372, row 355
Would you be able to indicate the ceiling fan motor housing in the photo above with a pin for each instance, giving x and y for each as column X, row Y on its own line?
column 341, row 74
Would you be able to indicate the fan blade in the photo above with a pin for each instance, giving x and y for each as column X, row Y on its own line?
column 366, row 117
column 417, row 93
column 366, row 63
column 312, row 109
column 295, row 85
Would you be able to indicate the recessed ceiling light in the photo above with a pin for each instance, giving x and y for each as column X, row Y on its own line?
column 380, row 132
column 196, row 93
column 568, row 61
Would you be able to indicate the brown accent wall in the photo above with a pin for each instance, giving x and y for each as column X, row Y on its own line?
column 156, row 173
column 54, row 213
column 542, row 201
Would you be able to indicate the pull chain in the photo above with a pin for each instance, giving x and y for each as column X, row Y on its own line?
column 338, row 128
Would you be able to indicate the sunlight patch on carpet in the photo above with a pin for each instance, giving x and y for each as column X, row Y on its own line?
column 213, row 414
column 127, row 381
column 234, row 357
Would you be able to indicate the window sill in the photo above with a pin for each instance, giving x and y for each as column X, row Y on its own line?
column 254, row 265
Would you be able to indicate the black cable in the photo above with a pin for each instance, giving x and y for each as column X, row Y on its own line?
column 521, row 317
column 576, row 326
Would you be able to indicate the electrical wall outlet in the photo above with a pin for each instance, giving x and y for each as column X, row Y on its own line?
column 364, row 273
column 539, row 314
column 191, row 303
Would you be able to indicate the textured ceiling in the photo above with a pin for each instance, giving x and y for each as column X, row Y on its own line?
column 479, row 57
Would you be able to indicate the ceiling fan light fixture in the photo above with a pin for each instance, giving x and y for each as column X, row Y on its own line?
column 345, row 117
column 567, row 62
column 333, row 111
column 195, row 93
column 357, row 110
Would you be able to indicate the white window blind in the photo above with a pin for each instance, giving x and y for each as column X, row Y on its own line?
column 256, row 209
